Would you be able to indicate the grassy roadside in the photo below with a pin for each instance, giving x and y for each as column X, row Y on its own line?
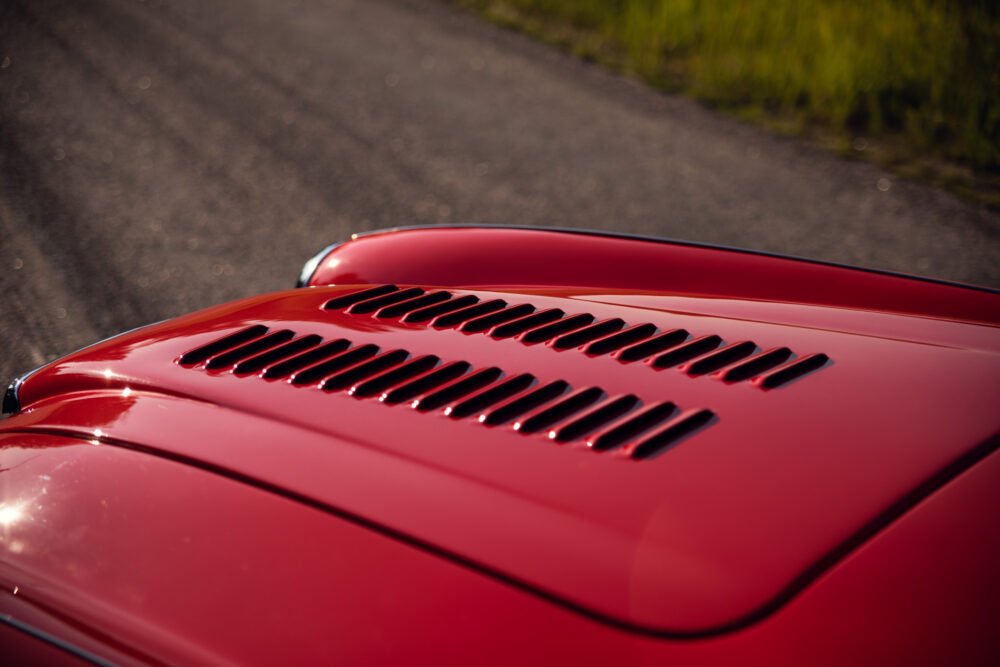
column 912, row 85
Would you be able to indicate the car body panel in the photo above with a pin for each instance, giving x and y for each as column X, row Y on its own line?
column 696, row 540
column 483, row 256
column 225, row 573
column 691, row 554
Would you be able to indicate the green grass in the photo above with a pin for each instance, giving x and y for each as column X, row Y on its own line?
column 911, row 84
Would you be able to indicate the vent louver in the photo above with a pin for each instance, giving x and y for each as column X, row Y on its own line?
column 521, row 402
column 677, row 348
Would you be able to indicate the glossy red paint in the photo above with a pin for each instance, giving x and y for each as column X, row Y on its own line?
column 143, row 560
column 483, row 257
column 198, row 515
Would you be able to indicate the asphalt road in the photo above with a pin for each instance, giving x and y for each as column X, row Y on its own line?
column 156, row 159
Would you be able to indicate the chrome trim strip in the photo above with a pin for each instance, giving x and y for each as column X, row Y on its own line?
column 52, row 640
column 11, row 398
column 653, row 239
column 309, row 268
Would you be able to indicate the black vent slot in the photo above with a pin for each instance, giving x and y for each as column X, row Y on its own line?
column 722, row 358
column 316, row 372
column 486, row 322
column 410, row 305
column 489, row 396
column 623, row 339
column 456, row 317
column 557, row 328
column 523, row 402
column 300, row 361
column 699, row 355
column 493, row 398
column 379, row 302
column 687, row 351
column 602, row 415
column 588, row 334
column 363, row 371
column 792, row 370
column 757, row 365
column 356, row 297
column 274, row 355
column 247, row 350
column 430, row 312
column 426, row 382
column 641, row 421
column 455, row 390
column 667, row 436
column 523, row 324
column 200, row 354
column 653, row 345
column 395, row 376
column 553, row 414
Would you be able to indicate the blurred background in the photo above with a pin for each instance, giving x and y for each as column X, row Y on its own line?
column 913, row 85
column 158, row 157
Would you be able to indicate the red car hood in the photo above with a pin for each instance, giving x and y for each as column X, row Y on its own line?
column 712, row 511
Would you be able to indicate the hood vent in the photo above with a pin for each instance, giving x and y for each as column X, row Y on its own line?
column 521, row 402
column 693, row 355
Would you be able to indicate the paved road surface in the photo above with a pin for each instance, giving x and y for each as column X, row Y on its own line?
column 155, row 159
